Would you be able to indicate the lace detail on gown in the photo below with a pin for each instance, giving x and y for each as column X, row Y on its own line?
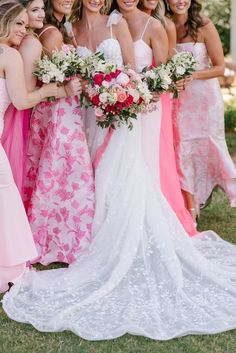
column 142, row 273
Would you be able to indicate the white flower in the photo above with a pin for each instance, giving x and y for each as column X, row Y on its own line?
column 180, row 70
column 122, row 79
column 103, row 97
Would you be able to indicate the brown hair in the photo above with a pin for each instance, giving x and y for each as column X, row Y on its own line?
column 158, row 12
column 76, row 14
column 52, row 20
column 194, row 21
column 9, row 10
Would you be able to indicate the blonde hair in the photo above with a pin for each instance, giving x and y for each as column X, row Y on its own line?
column 76, row 14
column 9, row 10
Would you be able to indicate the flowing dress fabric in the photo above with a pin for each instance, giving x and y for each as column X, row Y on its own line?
column 59, row 186
column 14, row 141
column 142, row 274
column 202, row 156
column 16, row 241
column 169, row 178
column 151, row 122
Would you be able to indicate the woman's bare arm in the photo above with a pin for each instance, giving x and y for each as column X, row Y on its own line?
column 30, row 50
column 215, row 52
column 15, row 81
column 172, row 36
column 51, row 39
column 159, row 42
column 126, row 42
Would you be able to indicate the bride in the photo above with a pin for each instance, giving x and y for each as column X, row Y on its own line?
column 142, row 274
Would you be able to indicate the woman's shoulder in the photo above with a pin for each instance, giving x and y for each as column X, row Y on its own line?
column 208, row 28
column 49, row 30
column 31, row 41
column 170, row 26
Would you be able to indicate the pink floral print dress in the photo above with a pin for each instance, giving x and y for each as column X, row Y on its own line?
column 59, row 187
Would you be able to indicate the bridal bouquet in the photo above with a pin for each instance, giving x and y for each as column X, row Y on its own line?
column 62, row 65
column 158, row 79
column 117, row 96
column 181, row 65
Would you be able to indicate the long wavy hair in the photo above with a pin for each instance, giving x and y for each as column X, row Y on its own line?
column 9, row 10
column 77, row 12
column 52, row 20
column 194, row 21
column 158, row 12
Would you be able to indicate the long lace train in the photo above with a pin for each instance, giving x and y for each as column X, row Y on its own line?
column 142, row 274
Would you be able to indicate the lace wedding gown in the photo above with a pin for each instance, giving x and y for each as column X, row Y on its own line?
column 142, row 273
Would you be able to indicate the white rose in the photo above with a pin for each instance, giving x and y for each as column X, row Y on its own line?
column 103, row 97
column 46, row 78
column 122, row 79
column 180, row 70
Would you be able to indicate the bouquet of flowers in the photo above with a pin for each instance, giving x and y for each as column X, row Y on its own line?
column 158, row 79
column 87, row 65
column 181, row 65
column 117, row 96
column 62, row 65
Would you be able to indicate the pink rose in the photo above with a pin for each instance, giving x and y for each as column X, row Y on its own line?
column 121, row 97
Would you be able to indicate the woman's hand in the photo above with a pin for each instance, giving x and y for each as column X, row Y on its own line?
column 181, row 84
column 73, row 87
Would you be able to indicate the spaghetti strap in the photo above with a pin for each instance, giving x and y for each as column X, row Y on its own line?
column 45, row 29
column 145, row 27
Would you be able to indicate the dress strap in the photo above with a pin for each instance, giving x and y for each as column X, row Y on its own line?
column 111, row 31
column 45, row 29
column 145, row 27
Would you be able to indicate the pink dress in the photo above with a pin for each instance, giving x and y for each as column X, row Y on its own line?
column 14, row 141
column 59, row 186
column 16, row 241
column 170, row 184
column 202, row 156
column 157, row 138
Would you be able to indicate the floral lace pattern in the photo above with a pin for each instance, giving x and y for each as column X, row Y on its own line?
column 142, row 273
column 59, row 188
column 203, row 159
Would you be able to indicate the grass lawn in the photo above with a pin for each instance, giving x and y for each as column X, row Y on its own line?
column 20, row 338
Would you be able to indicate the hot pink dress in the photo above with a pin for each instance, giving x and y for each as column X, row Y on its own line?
column 202, row 156
column 170, row 184
column 16, row 241
column 14, row 141
column 59, row 186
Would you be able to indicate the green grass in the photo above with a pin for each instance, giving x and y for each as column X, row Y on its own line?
column 21, row 338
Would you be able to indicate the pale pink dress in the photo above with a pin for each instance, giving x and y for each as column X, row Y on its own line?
column 16, row 241
column 203, row 159
column 59, row 186
column 14, row 141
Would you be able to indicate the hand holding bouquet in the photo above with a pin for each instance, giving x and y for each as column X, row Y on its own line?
column 117, row 96
column 180, row 66
column 158, row 79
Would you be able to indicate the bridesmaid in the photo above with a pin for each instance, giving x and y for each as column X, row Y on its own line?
column 169, row 179
column 59, row 187
column 16, row 122
column 16, row 241
column 202, row 155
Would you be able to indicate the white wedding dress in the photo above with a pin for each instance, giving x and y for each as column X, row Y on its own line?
column 142, row 273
